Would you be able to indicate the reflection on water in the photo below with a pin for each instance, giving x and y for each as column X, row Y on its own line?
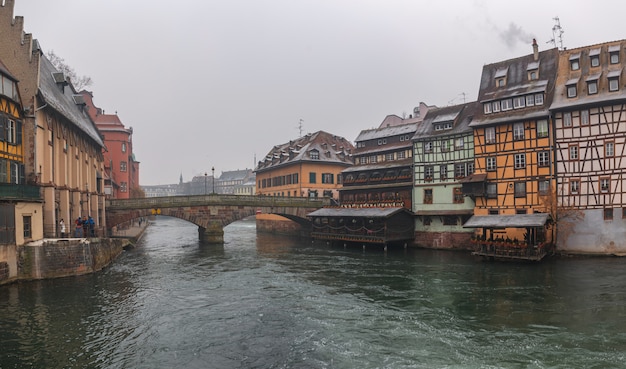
column 262, row 301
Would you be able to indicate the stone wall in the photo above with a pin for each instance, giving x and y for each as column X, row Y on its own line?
column 443, row 240
column 8, row 263
column 275, row 224
column 62, row 258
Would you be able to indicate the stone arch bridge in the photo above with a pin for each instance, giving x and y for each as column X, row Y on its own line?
column 211, row 213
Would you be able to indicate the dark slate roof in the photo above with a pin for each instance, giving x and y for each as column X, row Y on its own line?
column 358, row 212
column 332, row 149
column 460, row 115
column 507, row 221
column 586, row 73
column 233, row 175
column 517, row 84
column 388, row 131
column 63, row 101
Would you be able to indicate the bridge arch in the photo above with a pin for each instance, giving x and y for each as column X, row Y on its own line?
column 211, row 213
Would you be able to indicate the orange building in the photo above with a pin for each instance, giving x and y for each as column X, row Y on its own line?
column 514, row 164
column 309, row 166
column 121, row 168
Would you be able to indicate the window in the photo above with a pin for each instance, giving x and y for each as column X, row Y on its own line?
column 542, row 128
column 328, row 178
column 458, row 143
column 573, row 152
column 382, row 141
column 608, row 214
column 495, row 106
column 500, row 82
column 520, row 189
column 605, row 184
column 295, row 178
column 122, row 166
column 487, row 108
column 123, row 146
column 450, row 220
column 491, row 164
column 614, row 54
column 27, row 220
column 530, row 100
column 492, row 190
column 312, row 177
column 3, row 171
column 428, row 172
column 490, row 135
column 389, row 157
column 543, row 186
column 519, row 102
column 571, row 90
column 428, row 196
column 443, row 172
column 520, row 161
column 609, row 148
column 533, row 75
column 427, row 220
column 459, row 170
column 567, row 119
column 428, row 147
column 538, row 99
column 314, row 154
column 613, row 84
column 507, row 104
column 373, row 159
column 518, row 131
column 457, row 195
column 592, row 87
column 123, row 187
column 401, row 155
column 543, row 158
column 445, row 146
column 594, row 58
column 574, row 62
column 470, row 168
column 494, row 212
column 584, row 117
column 574, row 186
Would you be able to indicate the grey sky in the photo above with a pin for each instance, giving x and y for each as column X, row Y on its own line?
column 213, row 83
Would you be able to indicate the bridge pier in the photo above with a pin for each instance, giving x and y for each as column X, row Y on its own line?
column 212, row 234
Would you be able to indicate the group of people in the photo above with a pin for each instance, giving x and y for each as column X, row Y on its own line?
column 84, row 227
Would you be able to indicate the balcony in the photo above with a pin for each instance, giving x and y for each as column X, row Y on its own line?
column 10, row 191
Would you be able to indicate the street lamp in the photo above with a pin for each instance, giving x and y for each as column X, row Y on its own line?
column 205, row 174
column 213, row 175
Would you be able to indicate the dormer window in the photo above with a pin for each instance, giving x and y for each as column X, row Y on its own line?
column 487, row 108
column 592, row 84
column 495, row 106
column 574, row 61
column 571, row 87
column 314, row 154
column 614, row 54
column 613, row 78
column 500, row 77
column 594, row 57
column 533, row 71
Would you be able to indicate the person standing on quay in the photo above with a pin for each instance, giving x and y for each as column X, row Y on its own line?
column 78, row 231
column 92, row 227
column 62, row 228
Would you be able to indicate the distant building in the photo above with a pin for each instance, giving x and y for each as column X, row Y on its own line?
column 308, row 166
column 229, row 180
column 121, row 168
column 161, row 190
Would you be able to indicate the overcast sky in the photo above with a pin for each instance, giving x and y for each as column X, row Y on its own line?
column 209, row 83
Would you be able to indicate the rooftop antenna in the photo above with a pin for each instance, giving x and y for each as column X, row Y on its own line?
column 557, row 34
column 463, row 94
column 300, row 126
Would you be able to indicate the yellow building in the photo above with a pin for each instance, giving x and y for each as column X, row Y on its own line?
column 309, row 166
column 514, row 164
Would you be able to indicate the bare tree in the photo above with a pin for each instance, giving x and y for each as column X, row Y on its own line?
column 565, row 217
column 59, row 63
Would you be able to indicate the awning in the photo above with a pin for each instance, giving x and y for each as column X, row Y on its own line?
column 357, row 212
column 507, row 221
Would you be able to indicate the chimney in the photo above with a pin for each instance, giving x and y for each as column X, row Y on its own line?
column 535, row 50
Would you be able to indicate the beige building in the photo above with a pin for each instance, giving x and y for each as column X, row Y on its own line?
column 63, row 149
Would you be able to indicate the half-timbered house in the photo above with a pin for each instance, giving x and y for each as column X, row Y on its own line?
column 512, row 140
column 589, row 110
column 443, row 147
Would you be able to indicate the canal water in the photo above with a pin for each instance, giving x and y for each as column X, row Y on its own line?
column 263, row 301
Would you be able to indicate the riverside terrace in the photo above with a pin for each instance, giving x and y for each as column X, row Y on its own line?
column 211, row 213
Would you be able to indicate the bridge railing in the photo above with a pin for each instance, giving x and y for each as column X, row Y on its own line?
column 214, row 199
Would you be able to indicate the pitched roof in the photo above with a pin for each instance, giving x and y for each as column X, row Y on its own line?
column 459, row 115
column 326, row 147
column 516, row 72
column 62, row 100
